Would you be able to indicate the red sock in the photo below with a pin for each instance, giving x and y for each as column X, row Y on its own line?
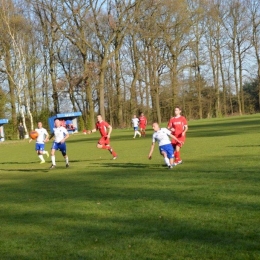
column 177, row 156
column 114, row 153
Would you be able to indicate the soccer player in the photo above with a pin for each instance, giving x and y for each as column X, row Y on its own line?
column 178, row 126
column 135, row 122
column 161, row 135
column 105, row 131
column 143, row 124
column 60, row 135
column 40, row 141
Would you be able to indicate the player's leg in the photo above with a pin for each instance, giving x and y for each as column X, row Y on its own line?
column 109, row 148
column 45, row 152
column 170, row 151
column 164, row 154
column 53, row 150
column 178, row 159
column 143, row 131
column 134, row 132
column 38, row 148
column 104, row 143
column 137, row 132
column 41, row 156
column 63, row 150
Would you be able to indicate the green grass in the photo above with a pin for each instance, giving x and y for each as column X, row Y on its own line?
column 133, row 208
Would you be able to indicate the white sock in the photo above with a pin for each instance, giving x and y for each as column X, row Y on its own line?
column 53, row 160
column 167, row 161
column 135, row 135
column 67, row 159
column 41, row 157
column 44, row 152
column 139, row 133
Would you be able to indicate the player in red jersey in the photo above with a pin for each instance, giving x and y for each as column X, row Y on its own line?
column 142, row 124
column 178, row 125
column 105, row 130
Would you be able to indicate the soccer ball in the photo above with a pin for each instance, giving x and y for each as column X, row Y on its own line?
column 33, row 135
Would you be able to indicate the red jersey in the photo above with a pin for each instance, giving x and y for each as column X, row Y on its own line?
column 102, row 127
column 142, row 121
column 177, row 123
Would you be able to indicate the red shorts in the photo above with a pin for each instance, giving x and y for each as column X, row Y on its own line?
column 175, row 143
column 142, row 127
column 104, row 140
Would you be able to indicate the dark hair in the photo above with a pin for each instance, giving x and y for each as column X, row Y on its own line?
column 178, row 107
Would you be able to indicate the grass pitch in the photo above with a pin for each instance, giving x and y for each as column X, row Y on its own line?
column 133, row 208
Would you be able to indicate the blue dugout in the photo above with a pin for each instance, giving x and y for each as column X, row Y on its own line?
column 2, row 133
column 69, row 121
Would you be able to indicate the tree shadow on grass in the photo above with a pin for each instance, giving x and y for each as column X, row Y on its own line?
column 111, row 216
column 244, row 145
column 126, row 204
column 130, row 165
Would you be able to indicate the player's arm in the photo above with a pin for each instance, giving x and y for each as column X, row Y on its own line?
column 51, row 136
column 65, row 137
column 175, row 138
column 92, row 131
column 185, row 130
column 109, row 131
column 47, row 137
column 169, row 126
column 151, row 151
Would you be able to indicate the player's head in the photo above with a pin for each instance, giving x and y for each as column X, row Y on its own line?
column 142, row 114
column 156, row 126
column 177, row 111
column 39, row 124
column 57, row 122
column 99, row 118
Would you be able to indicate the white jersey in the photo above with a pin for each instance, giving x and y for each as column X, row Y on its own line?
column 59, row 133
column 42, row 133
column 162, row 136
column 135, row 122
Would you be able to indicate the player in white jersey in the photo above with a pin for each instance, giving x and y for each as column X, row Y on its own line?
column 40, row 142
column 61, row 134
column 135, row 122
column 161, row 135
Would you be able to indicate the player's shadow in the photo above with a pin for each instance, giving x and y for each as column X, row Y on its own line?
column 252, row 145
column 25, row 170
column 129, row 165
column 19, row 162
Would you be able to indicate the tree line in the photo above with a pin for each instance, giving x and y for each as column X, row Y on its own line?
column 123, row 57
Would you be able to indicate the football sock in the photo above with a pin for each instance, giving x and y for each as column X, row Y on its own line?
column 112, row 152
column 67, row 159
column 53, row 160
column 41, row 157
column 177, row 156
column 167, row 161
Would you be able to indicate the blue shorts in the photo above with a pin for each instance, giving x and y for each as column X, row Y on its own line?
column 39, row 147
column 168, row 149
column 136, row 128
column 59, row 146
